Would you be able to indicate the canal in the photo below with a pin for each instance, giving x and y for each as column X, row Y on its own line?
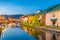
column 15, row 33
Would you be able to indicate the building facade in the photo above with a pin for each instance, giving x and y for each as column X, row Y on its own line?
column 51, row 14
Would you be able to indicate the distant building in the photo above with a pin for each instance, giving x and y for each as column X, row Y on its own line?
column 25, row 19
column 21, row 18
column 10, row 19
column 2, row 19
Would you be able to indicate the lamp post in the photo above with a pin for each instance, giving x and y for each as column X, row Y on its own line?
column 53, row 19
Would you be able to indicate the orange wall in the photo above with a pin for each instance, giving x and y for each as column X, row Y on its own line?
column 43, row 18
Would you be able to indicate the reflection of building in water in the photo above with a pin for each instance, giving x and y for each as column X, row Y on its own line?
column 25, row 29
column 2, row 26
column 12, row 24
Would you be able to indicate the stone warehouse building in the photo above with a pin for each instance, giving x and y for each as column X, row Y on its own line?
column 52, row 15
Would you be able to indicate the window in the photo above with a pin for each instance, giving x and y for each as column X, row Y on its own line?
column 53, row 14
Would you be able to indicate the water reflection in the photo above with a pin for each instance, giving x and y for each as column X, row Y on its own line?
column 15, row 33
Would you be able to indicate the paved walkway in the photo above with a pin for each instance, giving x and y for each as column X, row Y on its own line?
column 46, row 29
column 55, row 31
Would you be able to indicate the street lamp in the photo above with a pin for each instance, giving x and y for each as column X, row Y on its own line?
column 53, row 19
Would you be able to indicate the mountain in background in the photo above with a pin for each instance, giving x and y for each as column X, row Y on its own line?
column 14, row 16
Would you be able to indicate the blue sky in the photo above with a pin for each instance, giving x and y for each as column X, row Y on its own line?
column 11, row 7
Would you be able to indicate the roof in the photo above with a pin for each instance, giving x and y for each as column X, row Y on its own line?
column 52, row 8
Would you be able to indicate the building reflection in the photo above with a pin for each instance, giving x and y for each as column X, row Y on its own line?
column 7, row 22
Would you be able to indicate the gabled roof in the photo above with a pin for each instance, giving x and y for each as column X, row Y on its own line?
column 53, row 8
column 41, row 12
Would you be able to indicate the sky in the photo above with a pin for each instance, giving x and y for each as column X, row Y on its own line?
column 12, row 7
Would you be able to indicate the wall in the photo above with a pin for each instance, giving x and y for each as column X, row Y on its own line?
column 49, row 15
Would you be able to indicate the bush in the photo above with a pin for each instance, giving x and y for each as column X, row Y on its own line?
column 41, row 24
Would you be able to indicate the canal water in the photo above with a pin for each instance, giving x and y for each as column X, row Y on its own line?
column 15, row 33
